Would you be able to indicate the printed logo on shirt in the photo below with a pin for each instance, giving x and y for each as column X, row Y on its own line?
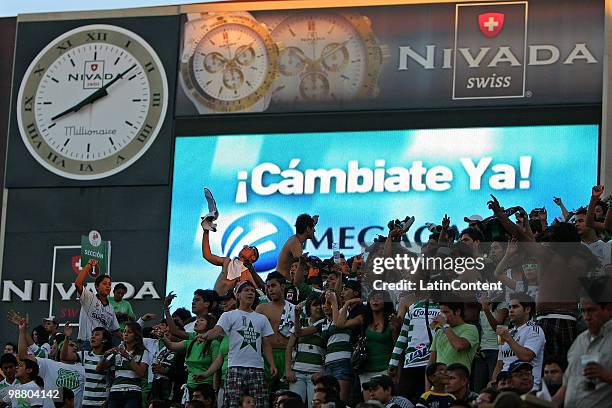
column 68, row 379
column 249, row 336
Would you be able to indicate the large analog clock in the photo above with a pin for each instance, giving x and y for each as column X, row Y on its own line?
column 92, row 102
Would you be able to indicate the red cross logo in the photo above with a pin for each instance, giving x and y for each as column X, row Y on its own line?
column 490, row 24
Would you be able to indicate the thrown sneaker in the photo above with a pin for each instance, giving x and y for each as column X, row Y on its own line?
column 212, row 205
column 407, row 223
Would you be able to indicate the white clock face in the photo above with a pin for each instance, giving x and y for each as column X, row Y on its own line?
column 92, row 102
column 324, row 58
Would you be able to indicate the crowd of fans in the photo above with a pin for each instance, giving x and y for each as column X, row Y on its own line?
column 316, row 333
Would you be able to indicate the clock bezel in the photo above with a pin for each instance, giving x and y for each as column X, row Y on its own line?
column 142, row 51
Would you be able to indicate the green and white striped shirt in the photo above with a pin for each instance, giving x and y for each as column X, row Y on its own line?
column 413, row 338
column 125, row 378
column 96, row 384
column 310, row 349
column 338, row 342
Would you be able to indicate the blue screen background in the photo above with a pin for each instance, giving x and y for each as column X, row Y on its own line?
column 564, row 163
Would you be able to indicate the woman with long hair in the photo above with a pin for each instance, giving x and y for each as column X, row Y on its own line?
column 380, row 335
column 198, row 354
column 41, row 347
column 131, row 362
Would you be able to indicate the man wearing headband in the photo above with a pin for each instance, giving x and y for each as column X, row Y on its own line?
column 234, row 270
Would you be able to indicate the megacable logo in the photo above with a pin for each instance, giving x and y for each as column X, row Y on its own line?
column 490, row 24
column 268, row 232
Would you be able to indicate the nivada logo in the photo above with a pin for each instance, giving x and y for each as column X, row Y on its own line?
column 268, row 232
column 491, row 53
column 480, row 26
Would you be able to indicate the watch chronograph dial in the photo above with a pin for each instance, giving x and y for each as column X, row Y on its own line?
column 325, row 58
column 229, row 62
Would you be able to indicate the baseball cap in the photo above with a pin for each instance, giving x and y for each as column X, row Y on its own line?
column 379, row 380
column 50, row 319
column 472, row 218
column 519, row 365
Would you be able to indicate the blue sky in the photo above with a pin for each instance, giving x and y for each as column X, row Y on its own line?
column 14, row 7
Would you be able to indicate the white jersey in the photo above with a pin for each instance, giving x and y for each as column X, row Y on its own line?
column 94, row 314
column 58, row 375
column 246, row 331
column 530, row 336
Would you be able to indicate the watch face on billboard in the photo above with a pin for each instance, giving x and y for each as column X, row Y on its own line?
column 357, row 181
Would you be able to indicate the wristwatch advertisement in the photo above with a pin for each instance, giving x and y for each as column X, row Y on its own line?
column 228, row 63
column 236, row 62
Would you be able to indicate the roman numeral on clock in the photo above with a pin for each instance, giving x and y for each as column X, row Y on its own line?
column 120, row 159
column 64, row 46
column 54, row 158
column 144, row 133
column 39, row 70
column 34, row 136
column 96, row 36
column 156, row 99
column 27, row 104
column 85, row 167
column 149, row 67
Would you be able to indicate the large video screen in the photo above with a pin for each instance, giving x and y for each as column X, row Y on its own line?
column 357, row 181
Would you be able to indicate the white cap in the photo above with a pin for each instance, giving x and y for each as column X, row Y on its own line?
column 473, row 218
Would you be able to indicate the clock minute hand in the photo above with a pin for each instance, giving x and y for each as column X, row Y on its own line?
column 100, row 93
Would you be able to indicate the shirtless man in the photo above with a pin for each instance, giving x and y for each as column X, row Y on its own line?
column 292, row 250
column 281, row 315
column 233, row 270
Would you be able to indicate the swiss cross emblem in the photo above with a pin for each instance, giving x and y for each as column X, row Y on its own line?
column 94, row 67
column 75, row 263
column 490, row 24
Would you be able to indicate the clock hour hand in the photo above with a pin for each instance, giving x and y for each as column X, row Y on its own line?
column 100, row 93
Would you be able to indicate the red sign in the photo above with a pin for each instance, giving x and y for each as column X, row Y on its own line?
column 490, row 24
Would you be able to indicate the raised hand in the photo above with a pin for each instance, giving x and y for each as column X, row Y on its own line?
column 396, row 232
column 543, row 215
column 558, row 201
column 298, row 311
column 148, row 316
column 445, row 222
column 494, row 205
column 597, row 191
column 67, row 330
column 512, row 247
column 169, row 299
